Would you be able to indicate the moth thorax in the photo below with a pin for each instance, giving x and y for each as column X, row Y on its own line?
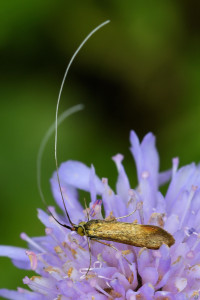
column 80, row 228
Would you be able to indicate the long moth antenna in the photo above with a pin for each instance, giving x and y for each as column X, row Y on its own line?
column 57, row 107
column 45, row 139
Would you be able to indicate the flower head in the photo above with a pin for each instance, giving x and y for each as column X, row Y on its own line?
column 61, row 258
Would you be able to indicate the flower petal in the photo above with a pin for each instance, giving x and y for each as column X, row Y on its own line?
column 13, row 252
column 147, row 163
column 77, row 175
column 149, row 275
column 21, row 294
column 164, row 177
column 131, row 295
column 123, row 185
column 147, row 291
column 9, row 294
column 165, row 295
column 146, row 156
column 92, row 185
column 18, row 256
column 70, row 196
column 180, row 181
column 111, row 202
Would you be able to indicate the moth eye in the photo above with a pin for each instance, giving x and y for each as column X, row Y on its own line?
column 80, row 231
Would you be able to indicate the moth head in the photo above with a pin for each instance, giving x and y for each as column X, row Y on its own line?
column 80, row 229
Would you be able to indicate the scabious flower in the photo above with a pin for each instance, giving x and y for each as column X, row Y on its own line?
column 61, row 257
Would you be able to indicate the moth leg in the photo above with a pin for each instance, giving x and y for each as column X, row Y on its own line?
column 89, row 247
column 126, row 215
column 111, row 246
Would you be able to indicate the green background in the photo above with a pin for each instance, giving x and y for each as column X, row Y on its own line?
column 139, row 72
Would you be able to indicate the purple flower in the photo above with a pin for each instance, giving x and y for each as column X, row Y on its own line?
column 61, row 257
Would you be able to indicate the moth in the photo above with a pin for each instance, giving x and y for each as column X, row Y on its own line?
column 149, row 236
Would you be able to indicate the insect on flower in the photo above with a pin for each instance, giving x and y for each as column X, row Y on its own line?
column 110, row 229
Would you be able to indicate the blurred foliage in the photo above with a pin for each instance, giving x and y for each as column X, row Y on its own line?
column 139, row 72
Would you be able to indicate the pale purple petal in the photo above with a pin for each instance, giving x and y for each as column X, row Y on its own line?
column 107, row 272
column 123, row 185
column 111, row 202
column 165, row 260
column 164, row 177
column 131, row 295
column 147, row 291
column 147, row 164
column 161, row 204
column 51, row 225
column 180, row 283
column 165, row 295
column 195, row 272
column 163, row 281
column 92, row 185
column 179, row 183
column 18, row 256
column 13, row 252
column 149, row 275
column 120, row 279
column 144, row 260
column 42, row 285
column 21, row 294
column 172, row 223
column 133, row 277
column 9, row 294
column 148, row 196
column 70, row 196
column 118, row 287
column 93, row 295
column 77, row 175
column 146, row 156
